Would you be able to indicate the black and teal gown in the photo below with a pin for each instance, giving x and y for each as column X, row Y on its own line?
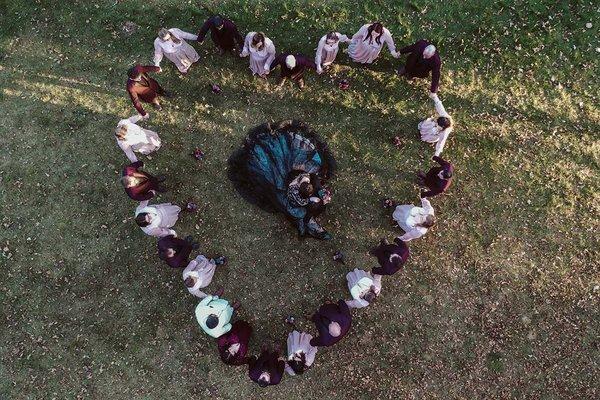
column 272, row 155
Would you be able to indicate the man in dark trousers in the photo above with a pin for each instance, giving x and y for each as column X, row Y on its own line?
column 142, row 88
column 224, row 34
column 293, row 67
column 437, row 179
column 423, row 58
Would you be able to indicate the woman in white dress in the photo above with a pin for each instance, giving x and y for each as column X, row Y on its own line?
column 328, row 48
column 363, row 287
column 261, row 51
column 157, row 219
column 171, row 43
column 415, row 221
column 301, row 355
column 132, row 137
column 367, row 43
column 199, row 273
column 436, row 130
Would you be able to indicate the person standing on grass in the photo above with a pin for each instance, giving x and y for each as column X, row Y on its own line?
column 261, row 51
column 267, row 369
column 366, row 44
column 214, row 315
column 131, row 138
column 415, row 221
column 363, row 287
column 300, row 353
column 174, row 251
column 391, row 257
column 142, row 88
column 157, row 219
column 437, row 179
column 327, row 49
column 224, row 34
column 140, row 185
column 436, row 130
column 293, row 67
column 333, row 322
column 423, row 58
column 199, row 274
column 171, row 43
column 233, row 346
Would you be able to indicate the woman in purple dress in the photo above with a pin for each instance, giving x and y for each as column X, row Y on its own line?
column 233, row 346
column 267, row 369
column 333, row 322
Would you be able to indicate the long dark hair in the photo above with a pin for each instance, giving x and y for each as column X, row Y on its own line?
column 298, row 366
column 376, row 27
column 140, row 219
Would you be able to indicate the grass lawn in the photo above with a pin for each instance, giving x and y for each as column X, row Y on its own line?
column 499, row 300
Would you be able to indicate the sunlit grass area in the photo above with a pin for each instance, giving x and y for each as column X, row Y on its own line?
column 498, row 300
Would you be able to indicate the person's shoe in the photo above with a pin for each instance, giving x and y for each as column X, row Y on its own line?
column 221, row 260
column 402, row 71
column 189, row 239
column 236, row 304
column 162, row 189
column 195, row 245
column 221, row 51
column 157, row 106
column 290, row 320
column 168, row 94
column 161, row 178
column 301, row 84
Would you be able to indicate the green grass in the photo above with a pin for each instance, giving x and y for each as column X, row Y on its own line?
column 499, row 300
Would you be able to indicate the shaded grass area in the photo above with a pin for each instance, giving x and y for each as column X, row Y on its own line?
column 499, row 300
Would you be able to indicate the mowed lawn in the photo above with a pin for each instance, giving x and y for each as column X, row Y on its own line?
column 499, row 300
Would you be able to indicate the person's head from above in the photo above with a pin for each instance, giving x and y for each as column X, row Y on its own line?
column 264, row 379
column 306, row 190
column 445, row 174
column 332, row 38
column 166, row 253
column 134, row 74
column 290, row 62
column 374, row 32
column 298, row 363
column 218, row 21
column 258, row 40
column 371, row 295
column 444, row 122
column 143, row 219
column 121, row 132
column 212, row 321
column 130, row 181
column 429, row 51
column 429, row 222
column 334, row 329
column 189, row 282
column 164, row 34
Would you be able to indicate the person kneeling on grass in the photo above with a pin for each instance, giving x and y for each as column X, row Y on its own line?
column 214, row 315
column 293, row 67
column 199, row 273
column 233, row 346
column 333, row 322
column 267, row 369
column 363, row 287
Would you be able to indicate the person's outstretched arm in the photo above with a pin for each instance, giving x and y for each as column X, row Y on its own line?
column 183, row 34
column 204, row 30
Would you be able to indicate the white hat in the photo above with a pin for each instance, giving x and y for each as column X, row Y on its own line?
column 290, row 61
column 429, row 51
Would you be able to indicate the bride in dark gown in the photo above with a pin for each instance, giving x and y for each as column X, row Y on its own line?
column 282, row 167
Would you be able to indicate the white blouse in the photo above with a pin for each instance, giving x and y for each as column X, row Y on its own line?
column 431, row 132
column 265, row 56
column 409, row 216
column 169, row 46
column 326, row 53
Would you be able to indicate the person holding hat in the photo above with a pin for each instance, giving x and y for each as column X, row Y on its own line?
column 390, row 256
column 436, row 130
column 171, row 43
column 233, row 346
column 224, row 34
column 142, row 88
column 423, row 58
column 174, row 251
column 199, row 273
column 214, row 315
column 261, row 51
column 293, row 67
column 327, row 49
column 267, row 369
column 140, row 185
column 333, row 322
column 437, row 179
